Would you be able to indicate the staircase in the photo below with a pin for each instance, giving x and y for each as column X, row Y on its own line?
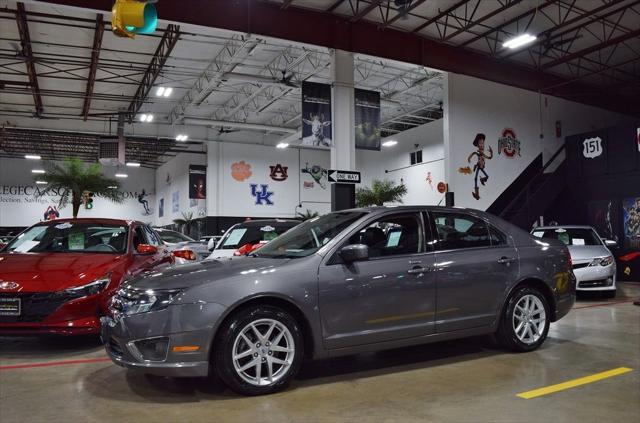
column 537, row 195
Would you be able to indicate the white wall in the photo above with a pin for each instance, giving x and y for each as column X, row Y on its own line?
column 171, row 178
column 20, row 207
column 476, row 106
column 393, row 163
column 228, row 196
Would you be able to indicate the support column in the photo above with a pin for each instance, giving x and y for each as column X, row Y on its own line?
column 343, row 152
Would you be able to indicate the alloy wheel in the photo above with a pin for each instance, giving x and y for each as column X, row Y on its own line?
column 529, row 319
column 263, row 352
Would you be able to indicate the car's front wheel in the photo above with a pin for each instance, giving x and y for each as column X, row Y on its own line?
column 525, row 321
column 259, row 350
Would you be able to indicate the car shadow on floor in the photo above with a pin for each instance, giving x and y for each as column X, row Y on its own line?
column 127, row 385
column 49, row 347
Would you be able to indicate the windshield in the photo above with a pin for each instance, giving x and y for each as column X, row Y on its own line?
column 71, row 237
column 173, row 237
column 308, row 237
column 570, row 236
column 241, row 234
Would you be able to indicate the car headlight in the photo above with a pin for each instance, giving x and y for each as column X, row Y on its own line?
column 601, row 261
column 92, row 288
column 131, row 302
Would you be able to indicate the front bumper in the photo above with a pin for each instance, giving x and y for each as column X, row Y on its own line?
column 596, row 278
column 176, row 326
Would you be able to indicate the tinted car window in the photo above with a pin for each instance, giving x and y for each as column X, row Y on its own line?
column 570, row 236
column 391, row 235
column 71, row 237
column 139, row 237
column 458, row 230
column 497, row 237
column 174, row 237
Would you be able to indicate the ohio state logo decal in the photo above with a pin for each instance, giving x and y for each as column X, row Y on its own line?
column 279, row 172
column 508, row 143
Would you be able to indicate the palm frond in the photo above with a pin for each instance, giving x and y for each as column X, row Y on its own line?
column 381, row 192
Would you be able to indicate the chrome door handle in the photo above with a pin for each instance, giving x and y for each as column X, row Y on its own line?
column 506, row 260
column 417, row 270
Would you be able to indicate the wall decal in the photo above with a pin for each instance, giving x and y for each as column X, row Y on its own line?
column 442, row 187
column 263, row 197
column 318, row 173
column 429, row 179
column 145, row 204
column 308, row 185
column 631, row 222
column 175, row 202
column 508, row 143
column 316, row 114
column 51, row 213
column 279, row 172
column 161, row 207
column 592, row 147
column 168, row 179
column 241, row 171
column 197, row 182
column 480, row 165
column 367, row 119
column 466, row 170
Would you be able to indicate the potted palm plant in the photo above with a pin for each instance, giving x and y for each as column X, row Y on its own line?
column 72, row 178
column 381, row 192
column 306, row 215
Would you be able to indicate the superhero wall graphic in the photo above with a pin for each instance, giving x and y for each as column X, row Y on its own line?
column 478, row 158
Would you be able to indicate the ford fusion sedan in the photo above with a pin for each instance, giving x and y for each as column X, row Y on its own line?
column 593, row 263
column 56, row 277
column 344, row 283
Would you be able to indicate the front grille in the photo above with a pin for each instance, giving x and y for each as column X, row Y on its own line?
column 595, row 284
column 35, row 307
column 581, row 265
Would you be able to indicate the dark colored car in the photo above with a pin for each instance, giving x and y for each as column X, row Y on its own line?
column 347, row 282
column 56, row 277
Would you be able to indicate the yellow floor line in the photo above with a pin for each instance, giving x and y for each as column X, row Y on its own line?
column 573, row 383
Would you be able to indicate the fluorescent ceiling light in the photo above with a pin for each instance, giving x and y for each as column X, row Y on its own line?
column 41, row 182
column 37, row 171
column 519, row 41
column 181, row 137
column 389, row 143
column 112, row 187
column 160, row 91
column 167, row 92
column 146, row 117
column 133, row 164
column 282, row 145
column 32, row 157
column 121, row 175
column 164, row 91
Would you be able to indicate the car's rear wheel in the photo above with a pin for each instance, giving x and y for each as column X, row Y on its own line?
column 525, row 321
column 259, row 350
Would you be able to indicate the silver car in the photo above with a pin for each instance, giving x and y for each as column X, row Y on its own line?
column 593, row 263
column 344, row 283
column 184, row 249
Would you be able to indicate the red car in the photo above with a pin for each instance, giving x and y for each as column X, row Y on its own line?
column 56, row 277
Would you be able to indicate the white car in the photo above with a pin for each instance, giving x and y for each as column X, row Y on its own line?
column 593, row 263
column 185, row 249
column 243, row 238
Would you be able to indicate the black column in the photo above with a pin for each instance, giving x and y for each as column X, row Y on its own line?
column 448, row 199
column 343, row 196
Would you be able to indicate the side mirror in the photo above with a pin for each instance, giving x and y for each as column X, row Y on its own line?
column 355, row 252
column 146, row 249
column 610, row 243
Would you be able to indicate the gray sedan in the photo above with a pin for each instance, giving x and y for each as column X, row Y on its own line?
column 344, row 283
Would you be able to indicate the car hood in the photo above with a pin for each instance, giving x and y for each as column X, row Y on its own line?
column 206, row 271
column 587, row 252
column 48, row 272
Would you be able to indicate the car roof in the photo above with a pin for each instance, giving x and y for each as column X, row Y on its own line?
column 94, row 220
column 262, row 222
column 545, row 228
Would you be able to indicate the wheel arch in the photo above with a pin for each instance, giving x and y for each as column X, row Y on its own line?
column 276, row 301
column 541, row 286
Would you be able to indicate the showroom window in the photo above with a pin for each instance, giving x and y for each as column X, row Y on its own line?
column 391, row 235
column 457, row 231
column 416, row 157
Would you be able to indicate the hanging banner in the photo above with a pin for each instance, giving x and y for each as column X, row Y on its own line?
column 316, row 115
column 197, row 182
column 367, row 117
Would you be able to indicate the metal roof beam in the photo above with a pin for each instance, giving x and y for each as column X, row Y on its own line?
column 93, row 67
column 414, row 4
column 167, row 43
column 364, row 12
column 334, row 6
column 440, row 15
column 27, row 53
column 508, row 4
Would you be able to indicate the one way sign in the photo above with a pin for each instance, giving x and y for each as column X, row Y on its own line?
column 344, row 176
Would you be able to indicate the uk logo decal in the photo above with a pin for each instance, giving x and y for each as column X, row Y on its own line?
column 279, row 172
column 263, row 196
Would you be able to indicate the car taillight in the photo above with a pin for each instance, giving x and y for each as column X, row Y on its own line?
column 185, row 254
